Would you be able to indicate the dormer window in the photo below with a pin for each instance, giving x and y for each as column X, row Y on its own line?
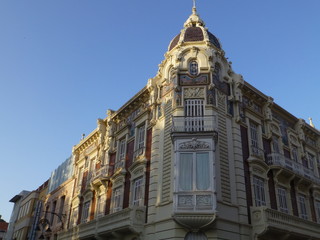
column 193, row 68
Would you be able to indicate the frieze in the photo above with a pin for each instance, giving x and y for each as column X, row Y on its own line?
column 194, row 145
column 194, row 93
column 186, row 80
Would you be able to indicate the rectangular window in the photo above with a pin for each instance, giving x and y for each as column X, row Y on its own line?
column 140, row 140
column 318, row 211
column 62, row 201
column 117, row 199
column 137, row 192
column 275, row 144
column 254, row 138
column 294, row 152
column 53, row 209
column 85, row 213
column 302, row 206
column 194, row 171
column 122, row 149
column 259, row 193
column 194, row 111
column 100, row 206
column 282, row 197
column 311, row 159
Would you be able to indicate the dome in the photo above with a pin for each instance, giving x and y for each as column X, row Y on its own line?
column 194, row 31
column 194, row 34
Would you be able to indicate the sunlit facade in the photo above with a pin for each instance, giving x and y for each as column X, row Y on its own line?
column 198, row 153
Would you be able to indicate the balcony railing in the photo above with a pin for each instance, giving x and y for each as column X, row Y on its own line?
column 193, row 124
column 129, row 220
column 257, row 152
column 119, row 164
column 198, row 201
column 139, row 152
column 101, row 172
column 265, row 219
column 280, row 160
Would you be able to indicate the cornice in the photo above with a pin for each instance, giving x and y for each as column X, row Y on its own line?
column 86, row 142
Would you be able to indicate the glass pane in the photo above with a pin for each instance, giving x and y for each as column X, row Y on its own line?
column 185, row 172
column 202, row 171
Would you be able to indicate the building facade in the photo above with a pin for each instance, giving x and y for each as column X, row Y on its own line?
column 198, row 153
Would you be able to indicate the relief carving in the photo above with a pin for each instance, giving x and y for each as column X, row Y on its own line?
column 194, row 93
column 194, row 145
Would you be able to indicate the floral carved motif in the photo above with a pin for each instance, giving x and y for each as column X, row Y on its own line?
column 194, row 93
column 194, row 145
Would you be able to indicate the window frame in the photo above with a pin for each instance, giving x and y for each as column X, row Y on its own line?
column 282, row 199
column 138, row 183
column 117, row 199
column 259, row 190
column 85, row 212
column 302, row 203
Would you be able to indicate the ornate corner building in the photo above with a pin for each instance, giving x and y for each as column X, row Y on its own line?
column 198, row 153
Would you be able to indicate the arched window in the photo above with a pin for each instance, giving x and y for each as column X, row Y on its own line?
column 193, row 68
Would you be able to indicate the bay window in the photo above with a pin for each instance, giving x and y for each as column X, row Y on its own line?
column 194, row 176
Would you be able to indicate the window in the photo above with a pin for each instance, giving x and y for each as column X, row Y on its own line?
column 80, row 177
column 122, row 149
column 116, row 201
column 194, row 173
column 140, row 139
column 62, row 201
column 294, row 152
column 194, row 111
column 53, row 209
column 100, row 206
column 282, row 198
column 259, row 193
column 254, row 139
column 311, row 159
column 85, row 213
column 193, row 68
column 74, row 216
column 137, row 192
column 302, row 206
column 275, row 144
column 194, row 182
column 318, row 210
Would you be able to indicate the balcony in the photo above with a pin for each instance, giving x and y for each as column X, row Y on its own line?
column 194, row 210
column 129, row 221
column 272, row 224
column 193, row 124
column 278, row 160
column 120, row 164
column 139, row 153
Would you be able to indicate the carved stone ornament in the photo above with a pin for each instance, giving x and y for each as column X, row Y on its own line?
column 194, row 93
column 194, row 145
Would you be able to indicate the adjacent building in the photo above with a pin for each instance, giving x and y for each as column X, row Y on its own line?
column 198, row 153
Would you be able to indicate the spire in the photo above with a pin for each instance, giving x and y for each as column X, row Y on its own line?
column 194, row 19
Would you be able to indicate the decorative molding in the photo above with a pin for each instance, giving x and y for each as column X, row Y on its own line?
column 194, row 93
column 194, row 145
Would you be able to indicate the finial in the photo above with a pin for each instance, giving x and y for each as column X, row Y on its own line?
column 311, row 123
column 194, row 9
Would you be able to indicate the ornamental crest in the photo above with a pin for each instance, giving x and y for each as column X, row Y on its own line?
column 194, row 145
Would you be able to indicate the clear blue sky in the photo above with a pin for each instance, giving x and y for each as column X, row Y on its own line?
column 64, row 63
